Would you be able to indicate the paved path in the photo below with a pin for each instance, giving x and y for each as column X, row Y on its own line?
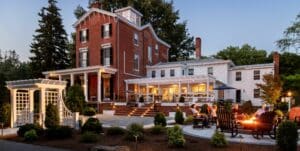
column 8, row 131
column 241, row 138
column 14, row 146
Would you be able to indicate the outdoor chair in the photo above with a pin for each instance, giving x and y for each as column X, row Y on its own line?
column 265, row 124
column 226, row 122
column 297, row 121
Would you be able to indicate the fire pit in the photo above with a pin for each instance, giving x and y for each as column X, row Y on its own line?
column 249, row 123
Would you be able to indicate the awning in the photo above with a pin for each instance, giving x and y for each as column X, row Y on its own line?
column 224, row 87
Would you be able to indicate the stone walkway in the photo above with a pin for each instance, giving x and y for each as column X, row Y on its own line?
column 14, row 146
column 8, row 131
column 241, row 138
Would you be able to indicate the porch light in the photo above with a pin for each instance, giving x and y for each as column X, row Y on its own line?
column 289, row 94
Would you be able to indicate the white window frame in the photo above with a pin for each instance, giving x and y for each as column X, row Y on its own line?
column 106, row 30
column 150, row 54
column 136, row 58
column 256, row 75
column 83, row 37
column 153, row 75
column 255, row 93
column 162, row 73
column 171, row 72
column 81, row 59
column 106, row 61
column 136, row 39
column 156, row 49
column 236, row 77
column 210, row 71
column 191, row 73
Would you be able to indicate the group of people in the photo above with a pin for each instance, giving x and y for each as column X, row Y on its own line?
column 209, row 115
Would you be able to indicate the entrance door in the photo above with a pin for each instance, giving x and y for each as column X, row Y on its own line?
column 238, row 96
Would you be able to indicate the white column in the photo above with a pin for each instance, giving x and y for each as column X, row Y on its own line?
column 59, row 77
column 31, row 105
column 42, row 106
column 60, row 106
column 215, row 91
column 47, row 76
column 99, row 86
column 86, row 86
column 147, row 92
column 13, row 93
column 126, row 91
column 72, row 79
column 179, row 89
column 207, row 89
column 139, row 91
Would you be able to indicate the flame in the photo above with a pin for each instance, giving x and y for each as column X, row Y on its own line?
column 249, row 121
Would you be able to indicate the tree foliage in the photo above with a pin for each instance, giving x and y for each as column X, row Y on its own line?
column 75, row 100
column 291, row 39
column 270, row 89
column 49, row 46
column 79, row 11
column 292, row 84
column 289, row 63
column 164, row 19
column 244, row 55
column 52, row 117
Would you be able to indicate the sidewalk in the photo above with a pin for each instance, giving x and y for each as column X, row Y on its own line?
column 14, row 146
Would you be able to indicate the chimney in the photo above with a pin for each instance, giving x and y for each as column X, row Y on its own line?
column 276, row 63
column 96, row 4
column 198, row 48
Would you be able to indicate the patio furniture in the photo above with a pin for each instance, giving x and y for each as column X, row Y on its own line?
column 297, row 121
column 201, row 119
column 226, row 122
column 265, row 124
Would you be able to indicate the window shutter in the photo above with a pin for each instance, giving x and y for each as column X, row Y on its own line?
column 110, row 30
column 80, row 59
column 80, row 36
column 102, row 31
column 87, row 35
column 111, row 55
column 101, row 57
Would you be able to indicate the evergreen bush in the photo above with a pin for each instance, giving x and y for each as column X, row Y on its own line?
column 52, row 117
column 115, row 131
column 135, row 130
column 92, row 125
column 189, row 120
column 157, row 129
column 160, row 119
column 89, row 111
column 179, row 119
column 89, row 137
column 75, row 100
column 30, row 135
column 175, row 137
column 5, row 113
column 218, row 140
column 59, row 132
column 287, row 136
column 27, row 127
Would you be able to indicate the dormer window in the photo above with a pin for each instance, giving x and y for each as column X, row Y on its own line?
column 84, row 35
column 136, row 39
column 156, row 48
column 106, row 30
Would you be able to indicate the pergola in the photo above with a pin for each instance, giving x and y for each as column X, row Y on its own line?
column 22, row 101
column 208, row 80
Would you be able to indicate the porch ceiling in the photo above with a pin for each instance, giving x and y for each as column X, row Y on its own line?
column 172, row 80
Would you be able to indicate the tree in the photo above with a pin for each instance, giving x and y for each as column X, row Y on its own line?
column 79, row 11
column 49, row 46
column 165, row 21
column 289, row 63
column 270, row 89
column 52, row 117
column 292, row 83
column 75, row 100
column 291, row 37
column 243, row 55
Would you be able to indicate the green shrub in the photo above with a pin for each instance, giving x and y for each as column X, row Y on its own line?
column 75, row 100
column 179, row 119
column 157, row 129
column 189, row 120
column 89, row 137
column 89, row 111
column 204, row 109
column 27, row 127
column 218, row 139
column 59, row 132
column 4, row 113
column 92, row 125
column 30, row 136
column 115, row 131
column 287, row 136
column 52, row 117
column 160, row 119
column 279, row 113
column 175, row 137
column 181, row 99
column 134, row 130
column 247, row 107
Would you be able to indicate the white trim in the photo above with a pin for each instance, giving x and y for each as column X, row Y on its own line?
column 130, row 8
column 81, row 70
column 106, row 45
column 91, row 11
column 84, row 49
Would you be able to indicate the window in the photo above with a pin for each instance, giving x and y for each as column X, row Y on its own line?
column 191, row 71
column 172, row 73
column 238, row 96
column 238, row 76
column 150, row 54
column 256, row 93
column 136, row 39
column 162, row 73
column 83, row 57
column 256, row 74
column 136, row 62
column 210, row 71
column 153, row 74
column 182, row 72
column 106, row 56
column 106, row 30
column 84, row 35
column 156, row 48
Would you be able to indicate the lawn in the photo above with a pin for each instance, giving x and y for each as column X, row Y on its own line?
column 150, row 143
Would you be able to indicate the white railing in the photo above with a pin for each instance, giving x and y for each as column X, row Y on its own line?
column 67, row 116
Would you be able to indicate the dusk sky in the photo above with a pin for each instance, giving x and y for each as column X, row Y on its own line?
column 219, row 23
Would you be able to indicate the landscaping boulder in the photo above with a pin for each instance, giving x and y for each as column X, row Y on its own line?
column 110, row 148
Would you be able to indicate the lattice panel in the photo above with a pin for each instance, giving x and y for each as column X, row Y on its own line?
column 52, row 97
column 22, row 107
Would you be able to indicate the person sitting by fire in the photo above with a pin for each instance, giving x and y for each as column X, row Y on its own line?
column 261, row 110
column 197, row 114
